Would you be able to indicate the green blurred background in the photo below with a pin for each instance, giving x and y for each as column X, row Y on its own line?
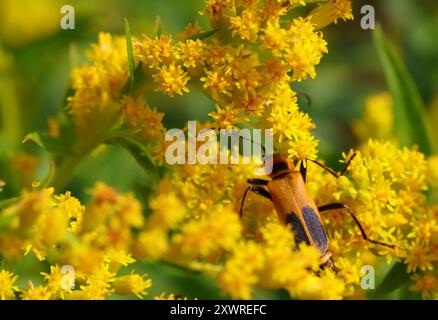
column 36, row 56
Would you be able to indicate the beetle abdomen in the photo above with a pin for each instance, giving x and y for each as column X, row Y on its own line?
column 298, row 228
column 316, row 230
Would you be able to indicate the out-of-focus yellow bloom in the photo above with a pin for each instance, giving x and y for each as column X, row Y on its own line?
column 43, row 222
column 377, row 121
column 25, row 166
column 433, row 170
column 223, row 233
column 240, row 271
column 18, row 20
column 151, row 244
column 132, row 284
column 167, row 211
column 170, row 296
column 190, row 30
column 426, row 284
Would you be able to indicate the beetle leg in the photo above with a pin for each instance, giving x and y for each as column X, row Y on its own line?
column 257, row 190
column 303, row 169
column 334, row 173
column 336, row 206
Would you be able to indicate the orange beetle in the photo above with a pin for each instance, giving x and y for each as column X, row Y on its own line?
column 295, row 207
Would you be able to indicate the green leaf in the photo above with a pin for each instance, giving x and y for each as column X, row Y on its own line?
column 203, row 35
column 158, row 26
column 395, row 278
column 140, row 154
column 411, row 125
column 49, row 143
column 130, row 54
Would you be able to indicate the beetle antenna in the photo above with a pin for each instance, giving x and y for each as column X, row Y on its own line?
column 252, row 141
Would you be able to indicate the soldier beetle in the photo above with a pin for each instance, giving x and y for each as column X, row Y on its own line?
column 295, row 207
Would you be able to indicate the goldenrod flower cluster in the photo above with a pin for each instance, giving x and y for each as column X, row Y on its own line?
column 247, row 64
column 94, row 240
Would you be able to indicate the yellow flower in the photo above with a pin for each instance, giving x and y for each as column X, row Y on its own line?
column 224, row 230
column 35, row 293
column 274, row 38
column 216, row 83
column 192, row 53
column 225, row 117
column 117, row 259
column 418, row 258
column 239, row 274
column 306, row 49
column 304, row 148
column 54, row 284
column 141, row 118
column 151, row 243
column 246, row 26
column 426, row 284
column 132, row 284
column 167, row 211
column 7, row 285
column 153, row 52
column 48, row 231
column 215, row 8
column 324, row 287
column 73, row 208
column 378, row 119
column 433, row 170
column 97, row 87
column 330, row 12
column 171, row 79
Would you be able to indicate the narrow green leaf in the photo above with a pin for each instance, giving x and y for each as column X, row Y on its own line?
column 203, row 35
column 130, row 54
column 158, row 26
column 52, row 169
column 140, row 154
column 48, row 143
column 411, row 125
column 395, row 278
